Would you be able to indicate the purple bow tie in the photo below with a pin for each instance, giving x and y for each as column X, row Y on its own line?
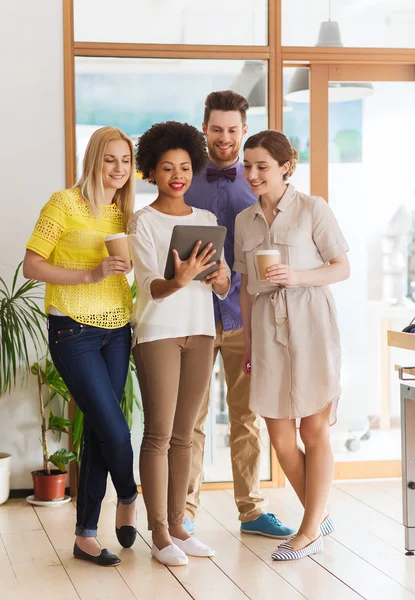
column 214, row 174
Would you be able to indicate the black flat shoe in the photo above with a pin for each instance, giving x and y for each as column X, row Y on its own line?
column 105, row 559
column 126, row 535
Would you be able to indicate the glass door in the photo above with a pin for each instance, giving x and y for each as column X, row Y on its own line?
column 147, row 85
column 362, row 126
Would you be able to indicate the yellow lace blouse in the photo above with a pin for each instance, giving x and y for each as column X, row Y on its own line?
column 67, row 235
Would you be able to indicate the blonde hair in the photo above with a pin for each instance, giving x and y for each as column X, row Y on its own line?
column 90, row 182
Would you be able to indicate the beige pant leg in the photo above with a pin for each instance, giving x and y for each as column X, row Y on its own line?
column 244, row 434
column 159, row 388
column 198, row 450
column 172, row 396
column 245, row 442
column 195, row 374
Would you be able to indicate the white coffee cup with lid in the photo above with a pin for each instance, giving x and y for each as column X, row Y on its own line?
column 265, row 259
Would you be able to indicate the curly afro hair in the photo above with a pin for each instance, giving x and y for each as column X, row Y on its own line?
column 171, row 135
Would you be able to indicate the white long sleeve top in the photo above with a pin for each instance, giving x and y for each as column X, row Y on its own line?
column 189, row 311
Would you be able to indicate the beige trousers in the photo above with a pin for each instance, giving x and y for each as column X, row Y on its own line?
column 245, row 443
column 173, row 375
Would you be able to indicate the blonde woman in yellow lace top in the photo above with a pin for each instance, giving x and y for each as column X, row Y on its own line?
column 88, row 302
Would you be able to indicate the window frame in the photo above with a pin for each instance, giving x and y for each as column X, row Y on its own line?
column 325, row 64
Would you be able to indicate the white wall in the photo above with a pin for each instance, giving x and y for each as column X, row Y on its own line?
column 32, row 166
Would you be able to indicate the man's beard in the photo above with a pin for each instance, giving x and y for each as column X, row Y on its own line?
column 231, row 155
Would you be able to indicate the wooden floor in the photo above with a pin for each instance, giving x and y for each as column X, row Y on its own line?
column 364, row 558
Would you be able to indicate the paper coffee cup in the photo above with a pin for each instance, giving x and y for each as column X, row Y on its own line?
column 265, row 259
column 117, row 245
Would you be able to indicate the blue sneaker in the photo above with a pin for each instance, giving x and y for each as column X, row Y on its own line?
column 268, row 525
column 189, row 526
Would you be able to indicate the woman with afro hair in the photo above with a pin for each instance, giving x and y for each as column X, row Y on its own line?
column 174, row 330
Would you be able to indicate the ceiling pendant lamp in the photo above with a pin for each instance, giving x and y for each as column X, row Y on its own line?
column 339, row 91
column 251, row 83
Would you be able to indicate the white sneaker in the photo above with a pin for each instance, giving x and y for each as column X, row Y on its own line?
column 171, row 556
column 193, row 547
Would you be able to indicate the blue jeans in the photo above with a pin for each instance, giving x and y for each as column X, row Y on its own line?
column 93, row 363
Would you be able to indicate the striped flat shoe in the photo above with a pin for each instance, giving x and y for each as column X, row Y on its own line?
column 327, row 526
column 285, row 551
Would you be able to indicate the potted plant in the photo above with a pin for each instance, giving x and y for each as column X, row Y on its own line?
column 5, row 459
column 49, row 484
column 20, row 319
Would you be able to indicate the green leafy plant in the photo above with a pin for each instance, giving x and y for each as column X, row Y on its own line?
column 20, row 320
column 49, row 378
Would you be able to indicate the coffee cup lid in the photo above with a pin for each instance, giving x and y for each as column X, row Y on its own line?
column 268, row 252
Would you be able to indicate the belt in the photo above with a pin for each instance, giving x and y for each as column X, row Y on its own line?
column 279, row 302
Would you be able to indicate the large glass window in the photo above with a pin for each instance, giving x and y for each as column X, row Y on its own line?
column 371, row 191
column 135, row 93
column 234, row 22
column 297, row 129
column 351, row 23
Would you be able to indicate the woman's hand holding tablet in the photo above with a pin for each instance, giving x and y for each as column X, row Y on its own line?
column 187, row 270
column 219, row 279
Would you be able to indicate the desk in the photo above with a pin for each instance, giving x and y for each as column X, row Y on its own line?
column 407, row 378
column 381, row 358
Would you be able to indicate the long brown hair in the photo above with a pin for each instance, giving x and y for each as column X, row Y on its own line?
column 90, row 182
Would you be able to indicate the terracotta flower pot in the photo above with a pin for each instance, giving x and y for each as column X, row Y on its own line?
column 49, row 487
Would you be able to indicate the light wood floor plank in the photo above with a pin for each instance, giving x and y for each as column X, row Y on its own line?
column 202, row 578
column 375, row 498
column 377, row 552
column 364, row 558
column 90, row 581
column 244, row 567
column 359, row 559
column 361, row 576
column 145, row 577
column 393, row 487
column 18, row 515
column 306, row 576
column 8, row 579
column 39, row 590
column 37, row 567
column 345, row 506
